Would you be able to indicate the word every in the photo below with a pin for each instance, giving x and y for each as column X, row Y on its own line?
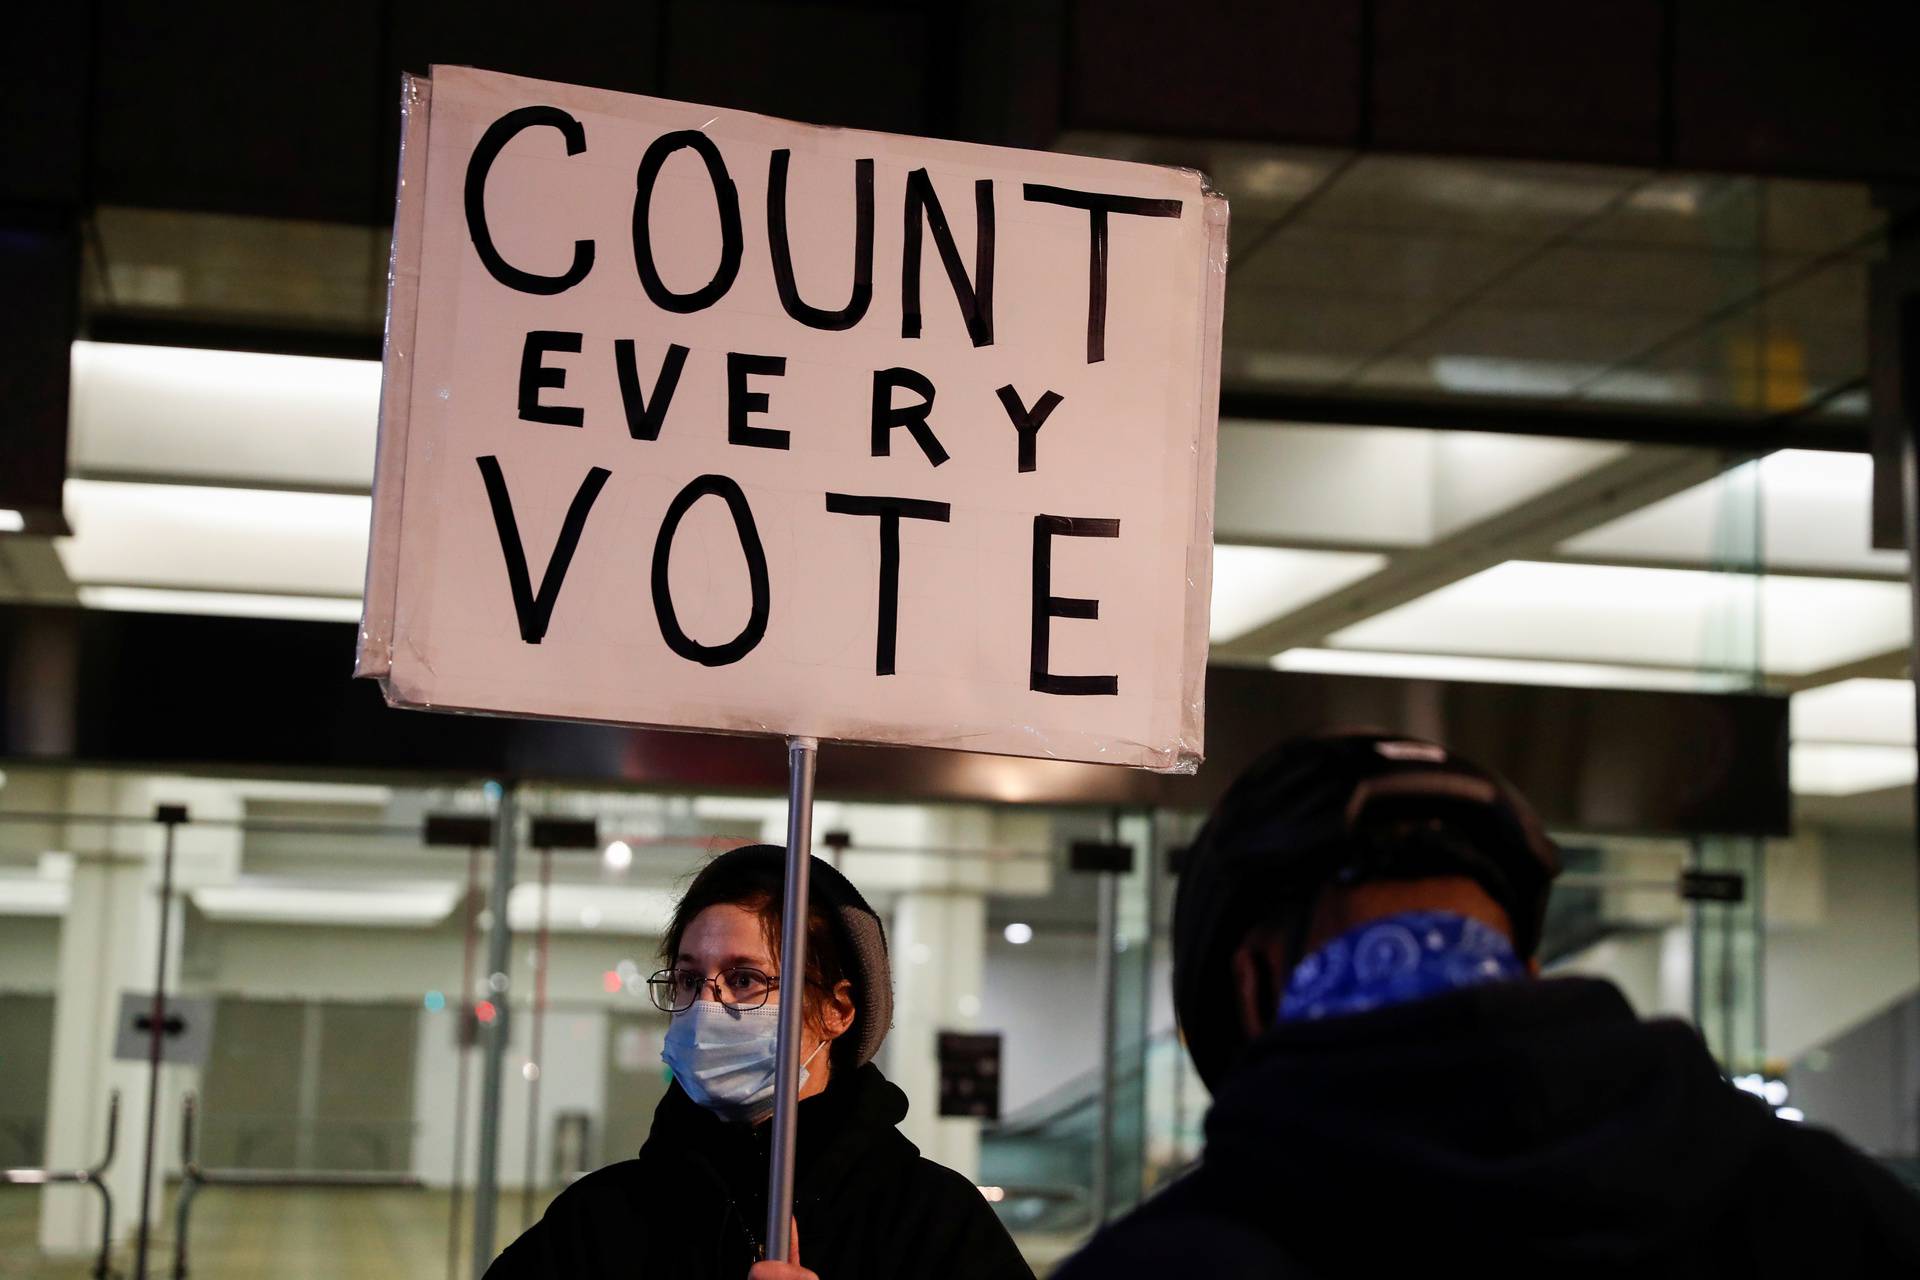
column 646, row 414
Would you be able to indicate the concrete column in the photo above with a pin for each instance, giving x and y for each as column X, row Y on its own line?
column 939, row 950
column 106, row 947
column 108, row 941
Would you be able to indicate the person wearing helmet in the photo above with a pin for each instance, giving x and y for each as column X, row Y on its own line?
column 692, row 1205
column 1355, row 956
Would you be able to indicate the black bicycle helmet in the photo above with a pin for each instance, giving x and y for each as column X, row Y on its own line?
column 1340, row 808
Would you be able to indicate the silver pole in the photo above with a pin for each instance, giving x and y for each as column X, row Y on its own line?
column 486, row 1185
column 1107, row 992
column 801, row 753
column 172, row 816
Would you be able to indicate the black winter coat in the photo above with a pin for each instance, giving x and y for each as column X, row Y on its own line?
column 692, row 1206
column 1532, row 1129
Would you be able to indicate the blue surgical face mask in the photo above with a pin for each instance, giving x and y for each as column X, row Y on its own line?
column 724, row 1058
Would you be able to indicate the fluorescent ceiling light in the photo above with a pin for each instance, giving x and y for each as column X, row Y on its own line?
column 11, row 521
column 1252, row 585
column 33, row 896
column 236, row 415
column 1672, row 618
column 1848, row 769
column 612, row 909
column 1386, row 487
column 1441, row 666
column 1800, row 509
column 1876, row 712
column 417, row 904
column 215, row 539
column 226, row 604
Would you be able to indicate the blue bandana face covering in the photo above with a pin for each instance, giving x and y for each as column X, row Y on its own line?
column 724, row 1058
column 1395, row 959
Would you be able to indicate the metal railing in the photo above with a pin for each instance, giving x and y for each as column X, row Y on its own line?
column 91, row 1176
column 194, row 1176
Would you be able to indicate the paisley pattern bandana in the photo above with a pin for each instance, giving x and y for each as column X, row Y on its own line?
column 1395, row 959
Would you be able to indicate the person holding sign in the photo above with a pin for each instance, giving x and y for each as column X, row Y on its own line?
column 692, row 1205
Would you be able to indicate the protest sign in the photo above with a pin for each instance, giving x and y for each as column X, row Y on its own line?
column 700, row 419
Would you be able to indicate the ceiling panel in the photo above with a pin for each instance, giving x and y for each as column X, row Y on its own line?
column 199, row 538
column 182, row 413
column 1501, row 200
column 1846, row 769
column 1254, row 584
column 1488, row 349
column 1631, row 278
column 1673, row 618
column 1796, row 510
column 1871, row 712
column 1377, row 265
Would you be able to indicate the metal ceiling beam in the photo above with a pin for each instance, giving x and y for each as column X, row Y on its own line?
column 1891, row 665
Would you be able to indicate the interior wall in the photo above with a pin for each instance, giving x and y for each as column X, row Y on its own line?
column 29, row 954
column 1042, row 997
column 1863, row 953
column 26, row 1054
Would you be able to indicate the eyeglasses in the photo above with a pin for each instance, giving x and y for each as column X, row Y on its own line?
column 677, row 990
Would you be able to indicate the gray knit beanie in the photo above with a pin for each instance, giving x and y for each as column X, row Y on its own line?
column 863, row 938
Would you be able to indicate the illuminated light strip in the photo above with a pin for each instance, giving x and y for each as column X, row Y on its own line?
column 1849, row 768
column 419, row 904
column 231, row 604
column 1443, row 666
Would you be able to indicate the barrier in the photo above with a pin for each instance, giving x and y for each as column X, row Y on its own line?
column 91, row 1177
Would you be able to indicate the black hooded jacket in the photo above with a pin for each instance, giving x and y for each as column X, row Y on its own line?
column 693, row 1204
column 1524, row 1128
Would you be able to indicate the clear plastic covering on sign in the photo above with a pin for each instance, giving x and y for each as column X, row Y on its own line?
column 698, row 419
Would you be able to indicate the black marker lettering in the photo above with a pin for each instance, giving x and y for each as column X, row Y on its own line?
column 1098, row 205
column 912, row 416
column 492, row 142
column 890, row 511
column 750, row 635
column 1047, row 606
column 741, row 401
column 645, row 416
column 534, row 612
column 777, row 241
column 726, row 199
column 1028, row 421
column 536, row 373
column 975, row 296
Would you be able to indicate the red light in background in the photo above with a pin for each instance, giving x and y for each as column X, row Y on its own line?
column 484, row 1011
column 611, row 982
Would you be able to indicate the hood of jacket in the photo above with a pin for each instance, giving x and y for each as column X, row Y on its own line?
column 1534, row 1123
column 852, row 1119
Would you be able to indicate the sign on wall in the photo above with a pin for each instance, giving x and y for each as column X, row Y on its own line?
column 700, row 419
column 186, row 1028
column 970, row 1074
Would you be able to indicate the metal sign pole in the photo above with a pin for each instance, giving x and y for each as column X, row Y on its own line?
column 171, row 815
column 494, row 1034
column 801, row 753
column 462, row 1006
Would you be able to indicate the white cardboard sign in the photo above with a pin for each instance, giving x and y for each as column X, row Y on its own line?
column 704, row 420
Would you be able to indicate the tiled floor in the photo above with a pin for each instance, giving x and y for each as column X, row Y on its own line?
column 253, row 1233
column 295, row 1235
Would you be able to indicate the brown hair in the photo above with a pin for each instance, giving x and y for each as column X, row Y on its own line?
column 759, row 888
